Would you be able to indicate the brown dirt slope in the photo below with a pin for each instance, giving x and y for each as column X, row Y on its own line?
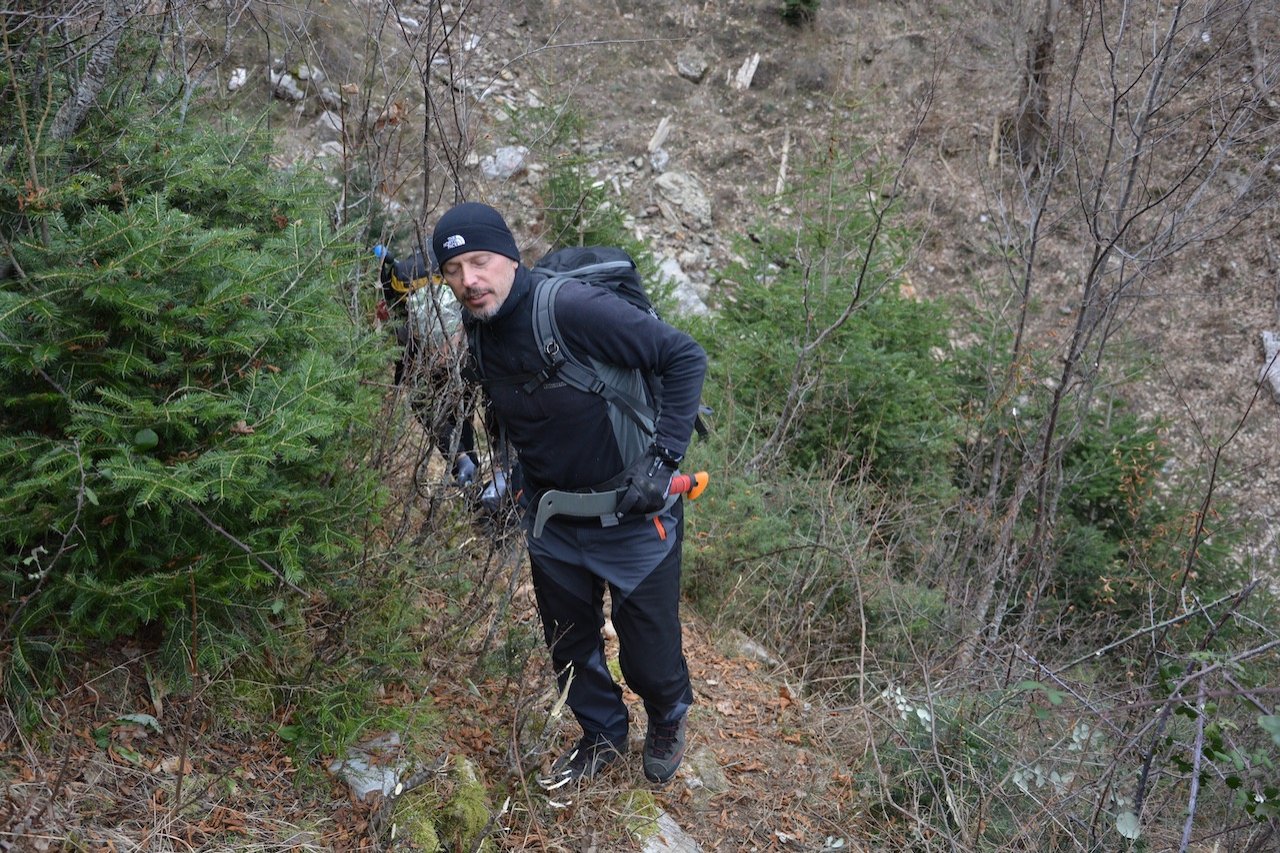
column 123, row 768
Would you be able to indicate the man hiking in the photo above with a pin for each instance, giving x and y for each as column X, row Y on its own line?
column 566, row 441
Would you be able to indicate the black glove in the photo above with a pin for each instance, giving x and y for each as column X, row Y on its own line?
column 646, row 483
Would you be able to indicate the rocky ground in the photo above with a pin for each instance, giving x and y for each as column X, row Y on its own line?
column 696, row 113
column 760, row 773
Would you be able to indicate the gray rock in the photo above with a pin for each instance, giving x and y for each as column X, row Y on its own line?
column 375, row 765
column 691, row 64
column 738, row 644
column 284, row 87
column 506, row 162
column 660, row 134
column 309, row 74
column 1270, row 373
column 668, row 837
column 328, row 127
column 330, row 99
column 685, row 193
column 688, row 302
column 238, row 78
column 705, row 772
column 741, row 79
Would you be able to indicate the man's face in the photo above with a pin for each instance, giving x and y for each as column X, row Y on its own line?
column 480, row 280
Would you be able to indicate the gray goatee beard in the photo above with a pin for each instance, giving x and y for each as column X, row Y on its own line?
column 485, row 313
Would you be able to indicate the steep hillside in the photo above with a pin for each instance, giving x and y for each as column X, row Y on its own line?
column 723, row 101
column 695, row 119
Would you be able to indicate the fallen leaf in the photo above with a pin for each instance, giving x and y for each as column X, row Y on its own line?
column 170, row 766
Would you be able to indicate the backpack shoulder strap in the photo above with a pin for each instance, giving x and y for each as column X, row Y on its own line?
column 561, row 362
column 545, row 331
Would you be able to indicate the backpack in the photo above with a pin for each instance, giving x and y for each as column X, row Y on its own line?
column 413, row 287
column 627, row 390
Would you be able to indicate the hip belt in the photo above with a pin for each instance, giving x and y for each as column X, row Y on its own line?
column 602, row 507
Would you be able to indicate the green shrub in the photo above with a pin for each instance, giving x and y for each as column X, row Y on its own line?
column 905, row 621
column 745, row 538
column 1112, row 468
column 1126, row 529
column 880, row 393
column 1121, row 528
column 577, row 209
column 781, row 559
column 576, row 206
column 181, row 395
column 574, row 201
column 797, row 12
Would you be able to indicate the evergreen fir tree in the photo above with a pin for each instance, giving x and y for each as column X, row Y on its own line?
column 181, row 395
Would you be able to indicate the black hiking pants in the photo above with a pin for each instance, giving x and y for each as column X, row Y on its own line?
column 639, row 561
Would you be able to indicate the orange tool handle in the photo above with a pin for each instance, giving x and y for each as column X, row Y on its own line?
column 691, row 485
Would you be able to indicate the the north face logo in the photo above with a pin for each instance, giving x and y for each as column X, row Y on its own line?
column 454, row 242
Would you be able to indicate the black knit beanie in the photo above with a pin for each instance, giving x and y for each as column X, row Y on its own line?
column 473, row 227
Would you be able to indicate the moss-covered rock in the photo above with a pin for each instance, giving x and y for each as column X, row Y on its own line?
column 641, row 812
column 415, row 820
column 450, row 814
column 467, row 812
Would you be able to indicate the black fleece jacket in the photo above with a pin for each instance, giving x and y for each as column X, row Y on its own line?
column 562, row 435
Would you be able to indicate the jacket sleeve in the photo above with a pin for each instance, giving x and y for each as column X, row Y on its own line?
column 597, row 323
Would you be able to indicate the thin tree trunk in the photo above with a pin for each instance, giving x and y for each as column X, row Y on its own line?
column 1030, row 131
column 111, row 28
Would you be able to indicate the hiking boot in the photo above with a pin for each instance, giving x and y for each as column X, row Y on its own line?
column 663, row 749
column 583, row 760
